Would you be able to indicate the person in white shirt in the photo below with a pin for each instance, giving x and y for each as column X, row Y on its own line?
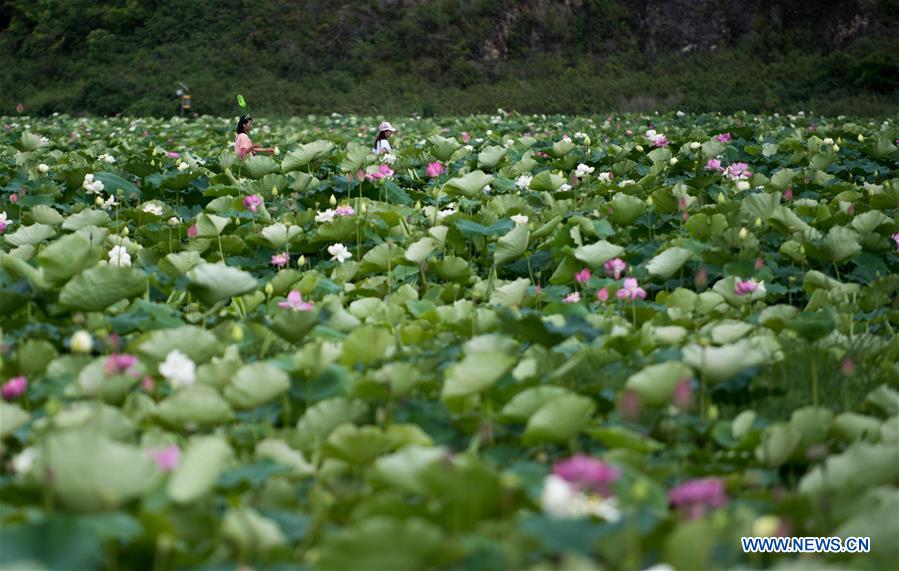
column 382, row 144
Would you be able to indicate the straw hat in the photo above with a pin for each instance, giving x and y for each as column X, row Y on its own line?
column 386, row 126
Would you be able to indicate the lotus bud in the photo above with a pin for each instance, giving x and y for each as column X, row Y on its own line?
column 640, row 490
column 587, row 140
column 649, row 201
column 277, row 151
column 639, row 148
column 758, row 222
column 269, row 289
column 744, row 233
column 766, row 526
column 332, row 201
column 274, row 191
column 237, row 333
column 98, row 201
column 720, row 198
column 301, row 261
column 417, row 205
column 672, row 161
column 363, row 209
column 836, row 148
column 125, row 231
column 694, row 145
column 713, row 412
column 81, row 342
column 861, row 138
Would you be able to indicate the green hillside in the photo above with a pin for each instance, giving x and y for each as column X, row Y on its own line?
column 449, row 56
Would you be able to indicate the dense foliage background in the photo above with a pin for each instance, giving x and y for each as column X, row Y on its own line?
column 449, row 56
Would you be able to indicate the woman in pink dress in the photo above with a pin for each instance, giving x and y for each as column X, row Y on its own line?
column 243, row 146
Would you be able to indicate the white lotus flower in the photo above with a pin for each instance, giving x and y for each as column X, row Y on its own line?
column 583, row 170
column 106, row 204
column 520, row 219
column 743, row 185
column 43, row 168
column 626, row 182
column 24, row 460
column 182, row 166
column 561, row 500
column 325, row 216
column 650, row 134
column 178, row 369
column 694, row 145
column 388, row 158
column 174, row 221
column 81, row 342
column 339, row 252
column 448, row 211
column 523, row 181
column 828, row 141
column 152, row 208
column 119, row 256
column 605, row 176
column 106, row 158
column 672, row 161
column 565, row 187
column 92, row 186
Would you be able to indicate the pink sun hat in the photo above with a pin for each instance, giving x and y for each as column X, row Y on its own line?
column 386, row 126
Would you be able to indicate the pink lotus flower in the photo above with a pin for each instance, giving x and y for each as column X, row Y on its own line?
column 434, row 169
column 14, row 198
column 573, row 297
column 631, row 290
column 295, row 302
column 167, row 459
column 585, row 472
column 723, row 137
column 466, row 138
column 746, row 287
column 252, row 202
column 695, row 497
column 683, row 394
column 147, row 384
column 382, row 172
column 615, row 267
column 344, row 211
column 896, row 239
column 701, row 278
column 14, row 388
column 20, row 108
column 192, row 231
column 172, row 155
column 738, row 171
column 582, row 276
column 682, row 203
column 602, row 295
column 714, row 165
column 630, row 405
column 847, row 367
column 119, row 363
column 660, row 141
column 759, row 264
column 280, row 260
column 3, row 224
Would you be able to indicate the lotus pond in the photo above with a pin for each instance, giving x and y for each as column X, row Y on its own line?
column 515, row 342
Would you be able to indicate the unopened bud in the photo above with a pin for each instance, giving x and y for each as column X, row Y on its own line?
column 758, row 221
column 269, row 289
column 332, row 201
column 301, row 261
column 237, row 333
column 744, row 233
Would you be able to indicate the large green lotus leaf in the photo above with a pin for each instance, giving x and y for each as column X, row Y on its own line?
column 625, row 209
column 868, row 222
column 760, row 206
column 401, row 377
column 107, row 420
column 200, row 467
column 727, row 288
column 419, row 251
column 475, row 373
column 279, row 234
column 196, row 406
column 526, row 165
column 29, row 142
column 198, row 344
column 655, row 383
column 212, row 283
column 12, row 417
column 860, row 467
column 258, row 166
column 210, row 225
column 92, row 472
column 713, row 148
column 113, row 183
column 250, row 532
column 99, row 287
column 175, row 265
column 595, row 255
column 546, row 181
column 874, row 517
column 470, row 184
column 34, row 234
column 562, row 148
column 777, row 317
column 840, row 244
column 357, row 445
column 782, row 178
column 779, row 442
column 367, row 345
column 340, row 229
column 559, row 420
column 292, row 325
column 443, row 148
column 668, row 262
column 93, row 381
column 255, row 384
column 526, row 403
column 403, row 468
column 718, row 364
column 85, row 218
column 452, row 269
column 306, row 154
column 355, row 158
column 620, row 437
column 689, row 546
column 491, row 156
column 812, row 325
column 381, row 258
column 64, row 258
column 511, row 246
column 43, row 214
column 851, row 427
column 281, row 452
column 384, row 543
column 511, row 294
column 322, row 418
